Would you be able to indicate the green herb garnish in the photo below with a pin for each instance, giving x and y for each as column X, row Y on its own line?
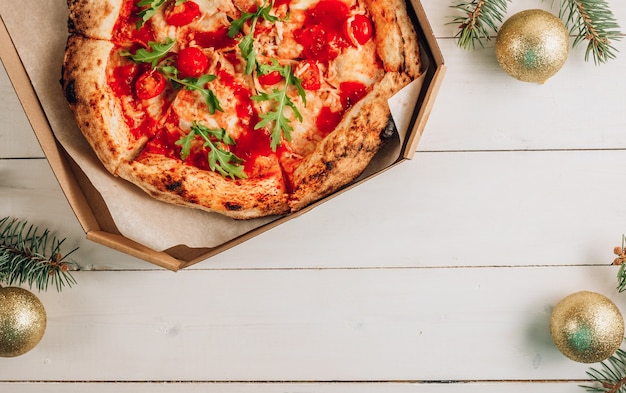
column 151, row 8
column 281, row 127
column 197, row 84
column 154, row 57
column 246, row 45
column 158, row 53
column 220, row 160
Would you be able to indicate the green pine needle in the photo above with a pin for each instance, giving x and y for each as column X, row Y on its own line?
column 611, row 376
column 593, row 21
column 620, row 261
column 480, row 18
column 28, row 256
column 587, row 20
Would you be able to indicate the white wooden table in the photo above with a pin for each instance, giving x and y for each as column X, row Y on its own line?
column 437, row 276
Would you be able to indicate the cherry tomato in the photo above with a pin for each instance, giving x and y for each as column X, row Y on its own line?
column 270, row 79
column 309, row 73
column 150, row 84
column 182, row 14
column 192, row 62
column 358, row 29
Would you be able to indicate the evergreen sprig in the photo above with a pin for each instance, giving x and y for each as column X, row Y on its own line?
column 480, row 18
column 33, row 257
column 588, row 20
column 611, row 376
column 620, row 261
column 592, row 20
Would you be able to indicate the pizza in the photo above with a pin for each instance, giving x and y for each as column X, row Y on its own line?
column 247, row 108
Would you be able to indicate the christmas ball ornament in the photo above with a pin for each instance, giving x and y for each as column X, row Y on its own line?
column 587, row 327
column 532, row 45
column 22, row 321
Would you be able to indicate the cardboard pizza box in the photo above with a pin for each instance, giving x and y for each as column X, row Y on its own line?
column 87, row 202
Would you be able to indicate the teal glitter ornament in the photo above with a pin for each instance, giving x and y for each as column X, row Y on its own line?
column 587, row 327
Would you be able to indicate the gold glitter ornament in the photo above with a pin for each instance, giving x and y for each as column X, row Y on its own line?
column 532, row 45
column 22, row 321
column 587, row 327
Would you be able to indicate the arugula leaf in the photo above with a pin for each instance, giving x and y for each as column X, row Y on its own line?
column 246, row 45
column 158, row 52
column 281, row 128
column 152, row 6
column 285, row 72
column 220, row 160
column 197, row 84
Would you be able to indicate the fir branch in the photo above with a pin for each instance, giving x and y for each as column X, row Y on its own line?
column 28, row 256
column 592, row 20
column 480, row 18
column 611, row 376
column 621, row 262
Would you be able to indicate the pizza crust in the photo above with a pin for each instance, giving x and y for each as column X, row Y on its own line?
column 96, row 109
column 396, row 40
column 345, row 153
column 93, row 18
column 173, row 182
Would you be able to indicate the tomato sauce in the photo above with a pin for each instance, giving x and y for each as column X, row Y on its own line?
column 251, row 143
column 322, row 35
column 122, row 79
column 164, row 141
column 125, row 31
column 327, row 120
column 351, row 92
column 218, row 39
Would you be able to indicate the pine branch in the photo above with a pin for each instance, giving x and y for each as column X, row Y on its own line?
column 621, row 262
column 587, row 20
column 28, row 256
column 479, row 20
column 611, row 376
column 592, row 20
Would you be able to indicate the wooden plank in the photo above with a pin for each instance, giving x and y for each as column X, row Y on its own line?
column 479, row 107
column 443, row 209
column 455, row 324
column 209, row 387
